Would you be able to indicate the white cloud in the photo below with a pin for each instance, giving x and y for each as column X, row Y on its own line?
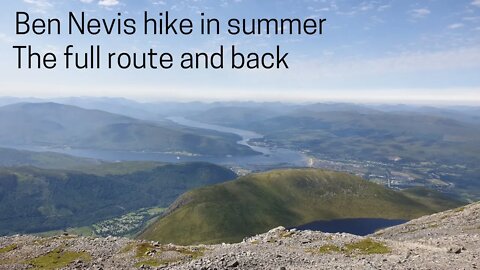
column 108, row 3
column 471, row 18
column 86, row 1
column 409, row 62
column 39, row 5
column 160, row 2
column 476, row 3
column 420, row 13
column 383, row 7
column 455, row 25
column 5, row 39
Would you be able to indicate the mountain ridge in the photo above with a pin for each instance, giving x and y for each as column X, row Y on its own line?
column 62, row 126
column 230, row 211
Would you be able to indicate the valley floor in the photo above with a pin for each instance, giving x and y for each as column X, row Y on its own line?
column 447, row 240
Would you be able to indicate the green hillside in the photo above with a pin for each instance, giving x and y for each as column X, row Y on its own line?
column 48, row 160
column 253, row 204
column 58, row 125
column 36, row 200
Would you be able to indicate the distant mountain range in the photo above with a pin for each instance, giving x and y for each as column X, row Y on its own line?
column 142, row 110
column 58, row 125
column 427, row 142
column 51, row 160
column 48, row 160
column 374, row 135
column 230, row 211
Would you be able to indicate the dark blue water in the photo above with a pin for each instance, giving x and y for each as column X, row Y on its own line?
column 357, row 226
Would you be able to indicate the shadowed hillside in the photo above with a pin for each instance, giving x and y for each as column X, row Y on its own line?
column 36, row 200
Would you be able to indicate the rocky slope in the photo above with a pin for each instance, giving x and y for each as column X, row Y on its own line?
column 447, row 240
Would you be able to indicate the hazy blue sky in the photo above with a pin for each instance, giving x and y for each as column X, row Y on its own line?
column 371, row 50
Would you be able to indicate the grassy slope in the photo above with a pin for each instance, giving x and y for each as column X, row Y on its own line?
column 253, row 204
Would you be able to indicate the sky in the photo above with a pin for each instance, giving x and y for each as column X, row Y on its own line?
column 424, row 51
